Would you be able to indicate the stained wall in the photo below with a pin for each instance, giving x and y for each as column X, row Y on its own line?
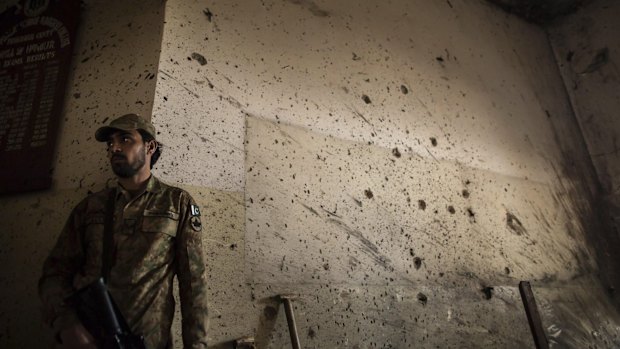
column 586, row 47
column 397, row 166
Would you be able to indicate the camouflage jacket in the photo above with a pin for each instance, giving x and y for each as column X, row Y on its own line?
column 157, row 235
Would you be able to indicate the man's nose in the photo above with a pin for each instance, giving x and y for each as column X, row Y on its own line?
column 115, row 147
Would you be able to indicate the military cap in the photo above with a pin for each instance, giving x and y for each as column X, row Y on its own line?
column 126, row 122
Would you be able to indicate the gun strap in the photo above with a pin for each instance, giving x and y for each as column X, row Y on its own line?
column 108, row 238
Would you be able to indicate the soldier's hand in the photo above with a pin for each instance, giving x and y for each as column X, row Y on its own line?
column 77, row 337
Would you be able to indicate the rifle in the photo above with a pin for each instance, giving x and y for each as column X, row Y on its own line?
column 101, row 317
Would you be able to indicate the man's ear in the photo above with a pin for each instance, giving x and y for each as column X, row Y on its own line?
column 151, row 146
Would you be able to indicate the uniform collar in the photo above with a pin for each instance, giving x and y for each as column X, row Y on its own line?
column 152, row 186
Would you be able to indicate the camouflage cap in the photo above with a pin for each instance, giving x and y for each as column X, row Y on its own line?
column 126, row 122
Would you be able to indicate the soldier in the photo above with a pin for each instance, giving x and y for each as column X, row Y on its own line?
column 156, row 235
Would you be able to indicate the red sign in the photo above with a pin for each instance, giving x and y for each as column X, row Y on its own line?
column 36, row 42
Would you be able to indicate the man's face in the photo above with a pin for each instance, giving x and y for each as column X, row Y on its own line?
column 127, row 153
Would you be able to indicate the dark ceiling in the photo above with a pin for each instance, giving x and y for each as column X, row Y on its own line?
column 540, row 11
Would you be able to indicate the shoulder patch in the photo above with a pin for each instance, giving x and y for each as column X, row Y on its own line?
column 194, row 210
column 195, row 223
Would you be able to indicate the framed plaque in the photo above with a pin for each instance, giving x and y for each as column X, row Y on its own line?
column 36, row 42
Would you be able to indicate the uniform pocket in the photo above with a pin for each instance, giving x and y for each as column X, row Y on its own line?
column 93, row 243
column 93, row 225
column 152, row 251
column 164, row 222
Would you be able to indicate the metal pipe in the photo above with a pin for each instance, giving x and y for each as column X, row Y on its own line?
column 533, row 317
column 290, row 318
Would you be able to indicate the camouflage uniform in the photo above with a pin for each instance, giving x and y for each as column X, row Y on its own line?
column 156, row 235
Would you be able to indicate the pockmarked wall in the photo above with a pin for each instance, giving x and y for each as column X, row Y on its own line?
column 587, row 47
column 113, row 72
column 398, row 167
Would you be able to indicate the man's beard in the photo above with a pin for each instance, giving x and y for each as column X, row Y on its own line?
column 125, row 169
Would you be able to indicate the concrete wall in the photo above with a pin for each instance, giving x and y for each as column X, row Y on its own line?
column 587, row 50
column 399, row 166
column 113, row 71
column 389, row 163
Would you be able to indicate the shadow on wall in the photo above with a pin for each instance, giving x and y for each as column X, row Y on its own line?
column 540, row 11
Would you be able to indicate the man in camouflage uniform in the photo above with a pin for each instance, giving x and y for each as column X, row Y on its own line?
column 156, row 235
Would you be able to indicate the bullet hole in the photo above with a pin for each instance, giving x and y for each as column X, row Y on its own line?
column 366, row 99
column 311, row 333
column 208, row 13
column 434, row 141
column 507, row 271
column 601, row 58
column 199, row 58
column 105, row 120
column 270, row 312
column 396, row 152
column 422, row 298
column 488, row 292
column 356, row 57
column 569, row 56
column 411, row 253
column 547, row 113
column 368, row 193
column 326, row 266
column 514, row 224
column 422, row 205
column 471, row 215
column 313, row 8
column 439, row 59
column 404, row 89
column 465, row 193
column 451, row 209
column 233, row 247
column 417, row 263
column 77, row 95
